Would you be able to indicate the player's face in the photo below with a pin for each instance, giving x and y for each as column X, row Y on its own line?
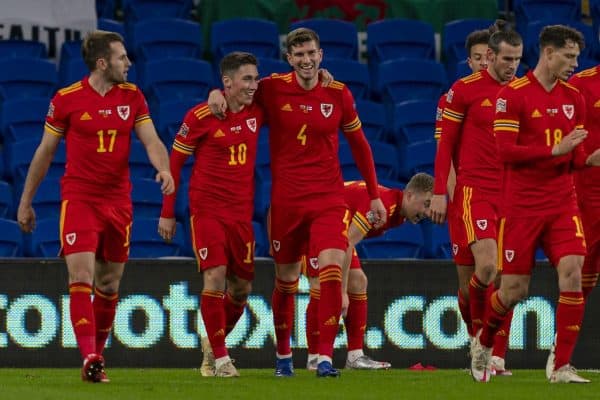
column 563, row 61
column 417, row 206
column 503, row 66
column 305, row 59
column 118, row 64
column 242, row 84
column 477, row 59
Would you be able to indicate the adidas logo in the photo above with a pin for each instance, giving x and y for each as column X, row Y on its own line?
column 536, row 114
column 486, row 103
column 219, row 133
column 597, row 104
column 85, row 117
column 281, row 326
column 574, row 328
column 331, row 321
column 501, row 332
column 82, row 321
column 218, row 333
column 286, row 107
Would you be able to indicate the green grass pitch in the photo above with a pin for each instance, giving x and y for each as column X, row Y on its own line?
column 175, row 384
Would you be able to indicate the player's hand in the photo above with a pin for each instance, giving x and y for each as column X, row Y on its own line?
column 325, row 77
column 217, row 103
column 167, row 182
column 593, row 159
column 438, row 208
column 166, row 228
column 569, row 142
column 26, row 218
column 379, row 213
column 345, row 304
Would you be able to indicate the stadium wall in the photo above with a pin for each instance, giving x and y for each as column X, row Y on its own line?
column 413, row 317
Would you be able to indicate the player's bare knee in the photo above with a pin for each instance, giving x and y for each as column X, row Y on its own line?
column 239, row 289
column 357, row 281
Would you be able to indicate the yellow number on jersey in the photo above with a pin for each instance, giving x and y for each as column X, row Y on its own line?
column 113, row 135
column 238, row 155
column 249, row 252
column 302, row 136
column 553, row 137
column 578, row 226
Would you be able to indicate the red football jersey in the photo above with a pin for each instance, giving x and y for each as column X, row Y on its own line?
column 222, row 181
column 587, row 180
column 438, row 116
column 303, row 137
column 467, row 135
column 529, row 122
column 358, row 200
column 97, row 131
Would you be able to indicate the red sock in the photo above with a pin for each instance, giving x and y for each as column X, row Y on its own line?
column 356, row 320
column 495, row 314
column 105, row 306
column 282, row 304
column 590, row 270
column 478, row 293
column 233, row 312
column 213, row 315
column 312, row 322
column 82, row 317
column 569, row 315
column 330, row 307
column 501, row 337
column 465, row 312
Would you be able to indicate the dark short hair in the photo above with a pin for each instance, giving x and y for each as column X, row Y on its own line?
column 501, row 32
column 96, row 44
column 420, row 182
column 480, row 36
column 234, row 60
column 558, row 35
column 299, row 36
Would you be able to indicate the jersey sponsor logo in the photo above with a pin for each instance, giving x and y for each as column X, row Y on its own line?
column 286, row 107
column 251, row 123
column 569, row 110
column 536, row 114
column 326, row 109
column 486, row 103
column 183, row 130
column 306, row 108
column 71, row 238
column 203, row 253
column 50, row 112
column 509, row 255
column 552, row 111
column 276, row 245
column 449, row 96
column 85, row 117
column 501, row 105
column 236, row 129
column 123, row 112
column 314, row 262
column 105, row 113
column 454, row 248
column 482, row 224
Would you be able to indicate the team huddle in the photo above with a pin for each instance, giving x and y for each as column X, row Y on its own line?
column 514, row 161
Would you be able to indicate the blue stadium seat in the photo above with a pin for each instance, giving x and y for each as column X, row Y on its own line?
column 27, row 77
column 392, row 183
column 169, row 116
column 158, row 38
column 19, row 154
column 44, row 241
column 268, row 66
column 339, row 39
column 262, row 168
column 146, row 198
column 585, row 63
column 527, row 11
column 437, row 240
column 22, row 48
column 391, row 39
column 386, row 160
column 350, row 171
column 405, row 241
column 176, row 79
column 354, row 74
column 23, row 119
column 105, row 9
column 233, row 35
column 595, row 14
column 109, row 24
column 417, row 157
column 462, row 70
column 531, row 48
column 135, row 10
column 262, row 199
column 6, row 200
column 420, row 79
column 11, row 239
column 147, row 243
column 71, row 71
column 260, row 238
column 182, row 202
column 454, row 36
column 139, row 164
column 413, row 121
column 372, row 117
column 46, row 202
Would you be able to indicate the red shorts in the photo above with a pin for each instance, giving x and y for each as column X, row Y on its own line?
column 103, row 229
column 558, row 234
column 590, row 217
column 473, row 217
column 311, row 268
column 229, row 243
column 293, row 227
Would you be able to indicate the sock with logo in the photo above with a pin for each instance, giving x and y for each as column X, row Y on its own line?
column 501, row 337
column 465, row 311
column 312, row 322
column 330, row 307
column 569, row 315
column 495, row 314
column 282, row 303
column 478, row 293
column 233, row 311
column 213, row 315
column 356, row 320
column 82, row 317
column 105, row 306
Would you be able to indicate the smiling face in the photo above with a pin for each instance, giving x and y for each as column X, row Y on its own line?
column 305, row 58
column 240, row 86
column 416, row 205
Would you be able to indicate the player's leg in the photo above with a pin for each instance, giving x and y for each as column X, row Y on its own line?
column 312, row 315
column 501, row 340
